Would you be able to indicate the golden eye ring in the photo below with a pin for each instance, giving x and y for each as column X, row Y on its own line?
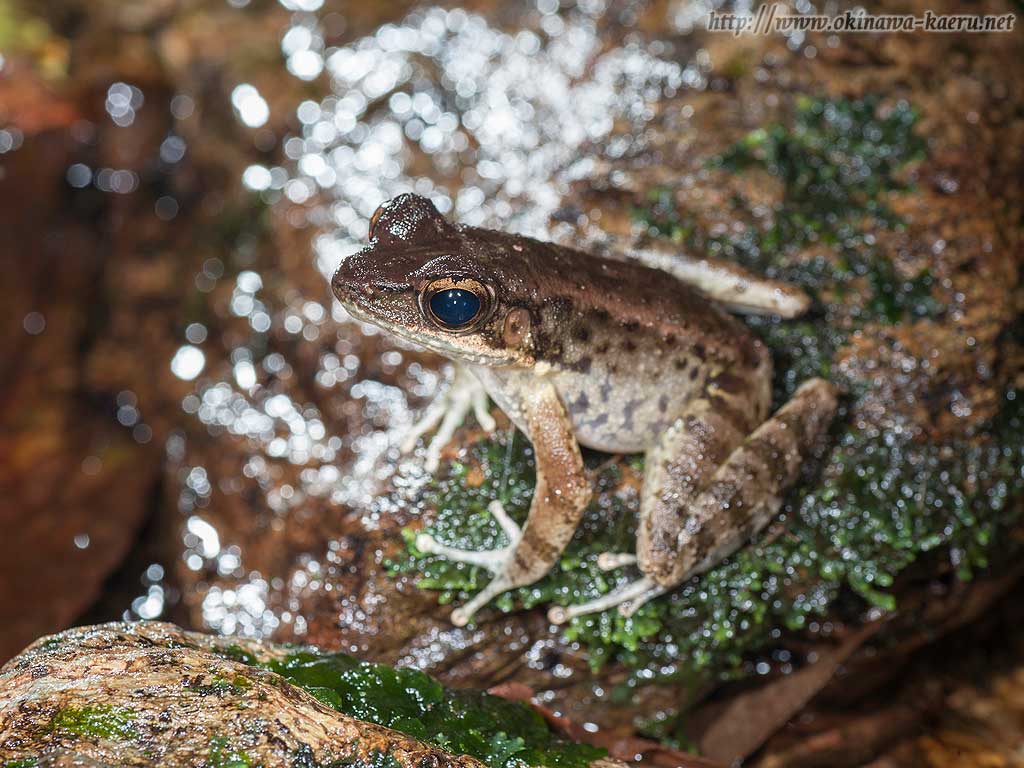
column 456, row 304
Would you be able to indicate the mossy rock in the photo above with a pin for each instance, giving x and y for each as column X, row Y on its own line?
column 891, row 489
column 139, row 694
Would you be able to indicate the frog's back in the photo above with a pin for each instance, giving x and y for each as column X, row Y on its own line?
column 631, row 346
column 582, row 297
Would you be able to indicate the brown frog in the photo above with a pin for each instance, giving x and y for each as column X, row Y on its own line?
column 608, row 353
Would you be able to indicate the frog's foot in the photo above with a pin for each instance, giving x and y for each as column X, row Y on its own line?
column 628, row 597
column 449, row 410
column 494, row 560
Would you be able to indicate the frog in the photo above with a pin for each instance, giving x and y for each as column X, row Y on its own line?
column 635, row 350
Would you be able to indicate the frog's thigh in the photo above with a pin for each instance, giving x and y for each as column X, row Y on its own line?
column 676, row 470
column 746, row 490
column 739, row 289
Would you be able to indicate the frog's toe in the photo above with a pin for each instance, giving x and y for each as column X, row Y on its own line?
column 430, row 419
column 630, row 607
column 508, row 525
column 492, row 559
column 633, row 595
column 609, row 561
column 462, row 615
column 482, row 410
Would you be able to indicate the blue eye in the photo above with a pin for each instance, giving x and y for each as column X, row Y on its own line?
column 455, row 307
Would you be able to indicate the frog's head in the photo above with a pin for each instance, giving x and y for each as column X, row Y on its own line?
column 435, row 284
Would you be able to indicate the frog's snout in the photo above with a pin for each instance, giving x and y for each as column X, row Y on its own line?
column 347, row 287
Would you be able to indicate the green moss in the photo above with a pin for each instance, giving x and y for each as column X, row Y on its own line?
column 492, row 729
column 25, row 762
column 235, row 653
column 223, row 755
column 99, row 721
column 877, row 501
column 220, row 685
column 838, row 164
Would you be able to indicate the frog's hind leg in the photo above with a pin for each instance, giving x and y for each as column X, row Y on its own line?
column 738, row 289
column 746, row 491
column 675, row 471
column 689, row 525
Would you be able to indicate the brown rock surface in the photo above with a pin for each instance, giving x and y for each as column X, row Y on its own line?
column 148, row 694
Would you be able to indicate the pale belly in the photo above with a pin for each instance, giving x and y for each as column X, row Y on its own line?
column 617, row 413
column 610, row 413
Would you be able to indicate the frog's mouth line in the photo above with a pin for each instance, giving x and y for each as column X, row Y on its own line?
column 433, row 341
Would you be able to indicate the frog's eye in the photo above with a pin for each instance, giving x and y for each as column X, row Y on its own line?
column 375, row 218
column 455, row 304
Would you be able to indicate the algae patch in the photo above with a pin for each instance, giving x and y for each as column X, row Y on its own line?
column 877, row 501
column 99, row 721
column 499, row 732
column 224, row 755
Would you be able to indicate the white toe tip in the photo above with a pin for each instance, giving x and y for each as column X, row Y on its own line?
column 606, row 561
column 460, row 618
column 558, row 615
column 425, row 543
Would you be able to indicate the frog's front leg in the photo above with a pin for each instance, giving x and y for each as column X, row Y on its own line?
column 449, row 409
column 693, row 517
column 559, row 498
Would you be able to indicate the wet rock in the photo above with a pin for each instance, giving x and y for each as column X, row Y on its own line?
column 284, row 498
column 145, row 693
column 915, row 271
column 113, row 233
